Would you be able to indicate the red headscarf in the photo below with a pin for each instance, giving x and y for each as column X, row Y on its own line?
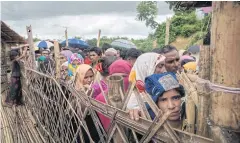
column 121, row 66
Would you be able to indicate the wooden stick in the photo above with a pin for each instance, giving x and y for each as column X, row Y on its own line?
column 203, row 92
column 190, row 102
column 31, row 45
column 167, row 31
column 32, row 119
column 155, row 44
column 98, row 41
column 57, row 59
column 190, row 113
column 66, row 36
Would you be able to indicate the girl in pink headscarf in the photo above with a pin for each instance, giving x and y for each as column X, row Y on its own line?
column 74, row 62
column 119, row 67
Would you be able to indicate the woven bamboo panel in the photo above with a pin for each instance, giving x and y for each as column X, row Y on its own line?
column 59, row 109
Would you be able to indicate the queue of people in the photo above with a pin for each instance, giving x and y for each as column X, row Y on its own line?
column 153, row 72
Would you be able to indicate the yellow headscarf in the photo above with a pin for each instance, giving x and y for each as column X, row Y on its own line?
column 80, row 74
column 190, row 66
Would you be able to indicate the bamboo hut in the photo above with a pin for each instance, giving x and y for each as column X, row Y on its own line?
column 8, row 38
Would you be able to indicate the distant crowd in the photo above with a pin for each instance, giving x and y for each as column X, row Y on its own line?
column 153, row 73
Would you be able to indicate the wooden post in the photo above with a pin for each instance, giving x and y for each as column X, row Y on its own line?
column 66, row 36
column 31, row 45
column 57, row 60
column 225, row 66
column 204, row 62
column 155, row 44
column 203, row 92
column 167, row 31
column 98, row 41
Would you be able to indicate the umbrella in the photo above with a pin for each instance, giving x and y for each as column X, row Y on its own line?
column 123, row 44
column 43, row 44
column 75, row 43
column 194, row 49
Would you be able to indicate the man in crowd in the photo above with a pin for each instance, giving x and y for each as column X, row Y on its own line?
column 132, row 55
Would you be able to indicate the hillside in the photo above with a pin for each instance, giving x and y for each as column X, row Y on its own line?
column 182, row 43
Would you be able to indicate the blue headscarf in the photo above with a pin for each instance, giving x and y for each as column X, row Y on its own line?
column 42, row 58
column 157, row 84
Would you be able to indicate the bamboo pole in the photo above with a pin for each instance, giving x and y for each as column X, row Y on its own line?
column 203, row 92
column 99, row 35
column 66, row 36
column 155, row 44
column 191, row 101
column 167, row 31
column 31, row 45
column 57, row 59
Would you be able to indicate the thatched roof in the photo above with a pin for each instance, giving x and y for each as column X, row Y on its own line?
column 10, row 36
column 190, row 4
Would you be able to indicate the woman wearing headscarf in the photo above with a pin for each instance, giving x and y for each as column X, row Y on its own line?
column 82, row 82
column 119, row 67
column 64, row 72
column 166, row 92
column 74, row 62
column 14, row 94
column 66, row 53
column 145, row 65
column 84, row 77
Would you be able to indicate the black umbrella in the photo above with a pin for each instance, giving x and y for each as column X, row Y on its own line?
column 194, row 49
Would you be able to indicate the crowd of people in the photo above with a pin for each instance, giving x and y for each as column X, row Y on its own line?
column 153, row 73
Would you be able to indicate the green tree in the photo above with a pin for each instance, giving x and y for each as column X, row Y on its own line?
column 182, row 24
column 177, row 8
column 78, row 37
column 36, row 39
column 147, row 11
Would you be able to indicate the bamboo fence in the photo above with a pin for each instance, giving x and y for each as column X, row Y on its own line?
column 57, row 109
column 54, row 112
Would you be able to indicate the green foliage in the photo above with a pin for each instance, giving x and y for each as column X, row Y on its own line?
column 182, row 24
column 36, row 39
column 196, row 38
column 78, row 37
column 188, row 30
column 147, row 11
column 175, row 6
column 144, row 44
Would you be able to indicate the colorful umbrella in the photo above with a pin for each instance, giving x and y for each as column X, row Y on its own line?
column 43, row 44
column 75, row 43
column 194, row 49
column 122, row 43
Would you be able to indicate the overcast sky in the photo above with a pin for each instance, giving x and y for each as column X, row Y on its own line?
column 83, row 18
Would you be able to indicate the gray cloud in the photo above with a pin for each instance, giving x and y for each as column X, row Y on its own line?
column 21, row 10
column 83, row 18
